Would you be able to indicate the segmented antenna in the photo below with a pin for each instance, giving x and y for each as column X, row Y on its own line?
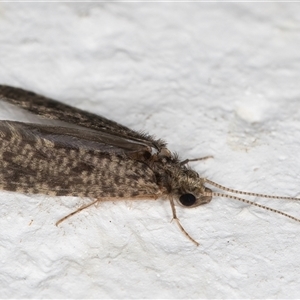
column 216, row 194
column 248, row 193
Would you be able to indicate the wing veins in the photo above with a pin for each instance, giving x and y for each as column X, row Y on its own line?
column 73, row 137
column 52, row 109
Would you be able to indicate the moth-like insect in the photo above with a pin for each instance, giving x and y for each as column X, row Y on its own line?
column 98, row 158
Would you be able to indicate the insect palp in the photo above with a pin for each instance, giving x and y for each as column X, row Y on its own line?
column 184, row 162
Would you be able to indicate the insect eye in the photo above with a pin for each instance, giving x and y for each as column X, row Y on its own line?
column 187, row 199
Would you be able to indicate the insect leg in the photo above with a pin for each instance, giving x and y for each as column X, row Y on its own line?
column 178, row 222
column 76, row 211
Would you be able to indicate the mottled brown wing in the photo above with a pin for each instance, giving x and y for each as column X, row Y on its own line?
column 75, row 137
column 39, row 159
column 52, row 109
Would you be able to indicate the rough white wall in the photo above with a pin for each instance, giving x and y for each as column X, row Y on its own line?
column 210, row 78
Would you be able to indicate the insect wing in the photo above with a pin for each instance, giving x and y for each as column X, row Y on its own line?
column 52, row 109
column 74, row 137
column 66, row 161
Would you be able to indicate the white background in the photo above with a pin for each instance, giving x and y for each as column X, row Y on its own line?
column 217, row 79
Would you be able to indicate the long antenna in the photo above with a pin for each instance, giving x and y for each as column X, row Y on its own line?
column 247, row 193
column 217, row 194
column 252, row 203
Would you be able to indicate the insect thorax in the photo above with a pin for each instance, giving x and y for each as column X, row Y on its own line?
column 176, row 179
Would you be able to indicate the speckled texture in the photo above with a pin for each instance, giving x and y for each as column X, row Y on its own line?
column 210, row 79
column 32, row 164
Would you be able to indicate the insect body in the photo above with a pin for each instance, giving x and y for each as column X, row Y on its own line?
column 99, row 159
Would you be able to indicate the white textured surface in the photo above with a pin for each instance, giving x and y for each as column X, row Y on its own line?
column 211, row 79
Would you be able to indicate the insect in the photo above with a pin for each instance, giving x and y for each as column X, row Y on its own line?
column 97, row 158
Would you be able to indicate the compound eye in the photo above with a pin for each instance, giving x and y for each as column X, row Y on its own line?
column 187, row 199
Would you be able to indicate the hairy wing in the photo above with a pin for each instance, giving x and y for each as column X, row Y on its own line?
column 38, row 159
column 68, row 137
column 53, row 109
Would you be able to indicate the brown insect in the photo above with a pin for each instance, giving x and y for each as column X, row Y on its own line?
column 98, row 158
